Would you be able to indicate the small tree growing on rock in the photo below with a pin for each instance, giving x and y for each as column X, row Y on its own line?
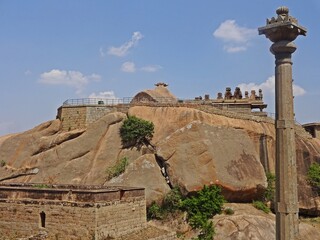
column 136, row 132
column 314, row 176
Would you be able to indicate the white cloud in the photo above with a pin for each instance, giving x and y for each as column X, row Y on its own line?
column 129, row 67
column 73, row 79
column 105, row 95
column 102, row 52
column 124, row 48
column 268, row 87
column 151, row 68
column 236, row 38
column 231, row 49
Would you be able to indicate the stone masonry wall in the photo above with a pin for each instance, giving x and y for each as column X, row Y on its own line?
column 18, row 219
column 75, row 212
column 121, row 218
column 72, row 117
column 77, row 117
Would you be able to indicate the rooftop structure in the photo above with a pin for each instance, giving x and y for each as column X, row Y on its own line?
column 239, row 102
column 160, row 94
column 313, row 129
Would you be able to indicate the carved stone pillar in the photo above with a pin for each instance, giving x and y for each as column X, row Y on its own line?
column 282, row 31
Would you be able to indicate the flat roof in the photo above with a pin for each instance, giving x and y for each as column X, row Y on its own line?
column 315, row 124
column 67, row 192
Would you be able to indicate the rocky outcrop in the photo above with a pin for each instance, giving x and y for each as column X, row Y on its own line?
column 192, row 148
column 199, row 154
column 208, row 155
column 250, row 223
column 144, row 172
column 79, row 156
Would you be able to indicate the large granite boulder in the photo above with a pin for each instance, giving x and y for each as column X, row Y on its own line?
column 201, row 154
column 144, row 172
column 193, row 147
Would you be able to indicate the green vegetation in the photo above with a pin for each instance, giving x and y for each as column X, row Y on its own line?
column 228, row 211
column 155, row 211
column 314, row 176
column 200, row 208
column 172, row 200
column 117, row 169
column 171, row 203
column 269, row 194
column 2, row 163
column 261, row 206
column 136, row 132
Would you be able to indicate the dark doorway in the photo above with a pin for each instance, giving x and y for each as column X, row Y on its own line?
column 43, row 219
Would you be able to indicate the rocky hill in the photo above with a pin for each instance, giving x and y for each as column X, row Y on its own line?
column 193, row 147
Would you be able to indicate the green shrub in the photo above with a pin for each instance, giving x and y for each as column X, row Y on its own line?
column 201, row 207
column 136, row 132
column 207, row 201
column 269, row 194
column 117, row 169
column 314, row 175
column 155, row 211
column 207, row 231
column 172, row 200
column 229, row 211
column 261, row 206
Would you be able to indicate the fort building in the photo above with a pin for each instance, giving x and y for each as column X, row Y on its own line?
column 71, row 211
column 79, row 113
column 313, row 129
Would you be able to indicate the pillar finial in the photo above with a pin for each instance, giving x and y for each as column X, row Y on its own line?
column 283, row 27
column 283, row 10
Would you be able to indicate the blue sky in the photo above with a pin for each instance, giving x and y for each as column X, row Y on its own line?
column 51, row 51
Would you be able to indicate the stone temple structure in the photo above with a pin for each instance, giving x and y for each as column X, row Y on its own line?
column 238, row 102
column 160, row 94
column 282, row 31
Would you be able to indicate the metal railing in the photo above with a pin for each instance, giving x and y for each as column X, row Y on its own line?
column 116, row 101
column 97, row 101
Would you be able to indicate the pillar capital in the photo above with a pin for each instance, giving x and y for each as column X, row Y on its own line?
column 283, row 47
column 282, row 27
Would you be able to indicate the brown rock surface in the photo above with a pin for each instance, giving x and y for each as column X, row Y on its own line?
column 198, row 147
column 144, row 172
column 250, row 223
column 199, row 154
column 79, row 156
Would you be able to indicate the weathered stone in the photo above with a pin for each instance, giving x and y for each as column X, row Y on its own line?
column 145, row 172
column 82, row 156
column 250, row 223
column 199, row 154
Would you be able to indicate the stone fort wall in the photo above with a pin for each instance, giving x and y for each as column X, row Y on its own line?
column 78, row 117
column 66, row 212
